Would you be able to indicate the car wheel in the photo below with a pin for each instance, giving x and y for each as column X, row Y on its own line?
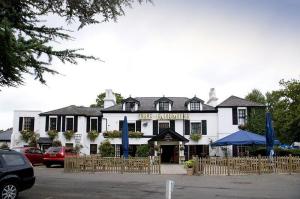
column 9, row 191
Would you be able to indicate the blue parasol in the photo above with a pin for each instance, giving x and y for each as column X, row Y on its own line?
column 269, row 135
column 125, row 140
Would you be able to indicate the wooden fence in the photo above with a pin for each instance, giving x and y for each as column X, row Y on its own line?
column 246, row 165
column 94, row 163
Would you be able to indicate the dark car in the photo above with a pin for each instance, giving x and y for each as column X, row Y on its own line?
column 56, row 155
column 34, row 155
column 16, row 174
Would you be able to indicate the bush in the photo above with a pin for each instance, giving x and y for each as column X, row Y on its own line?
column 106, row 149
column 69, row 134
column 52, row 134
column 255, row 151
column 142, row 151
column 189, row 164
column 56, row 143
column 26, row 135
column 77, row 148
column 93, row 135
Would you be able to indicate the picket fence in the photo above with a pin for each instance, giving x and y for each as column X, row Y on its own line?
column 95, row 163
column 246, row 165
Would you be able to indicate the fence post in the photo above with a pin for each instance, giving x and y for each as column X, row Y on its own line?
column 159, row 162
column 228, row 166
column 259, row 164
column 122, row 165
column 290, row 164
column 149, row 165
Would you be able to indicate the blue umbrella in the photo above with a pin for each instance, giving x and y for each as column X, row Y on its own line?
column 125, row 140
column 269, row 134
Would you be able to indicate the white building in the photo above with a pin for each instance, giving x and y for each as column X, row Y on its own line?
column 166, row 124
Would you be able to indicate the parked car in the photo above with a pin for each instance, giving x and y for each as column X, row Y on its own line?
column 34, row 155
column 16, row 174
column 56, row 155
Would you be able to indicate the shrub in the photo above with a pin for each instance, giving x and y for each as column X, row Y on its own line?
column 56, row 143
column 106, row 149
column 195, row 137
column 52, row 134
column 189, row 164
column 69, row 134
column 142, row 151
column 255, row 151
column 77, row 148
column 92, row 135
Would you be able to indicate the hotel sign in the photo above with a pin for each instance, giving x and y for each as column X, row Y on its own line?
column 163, row 116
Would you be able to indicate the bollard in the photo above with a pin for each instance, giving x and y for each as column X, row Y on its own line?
column 169, row 188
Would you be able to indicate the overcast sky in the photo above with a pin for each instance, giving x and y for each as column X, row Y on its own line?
column 172, row 48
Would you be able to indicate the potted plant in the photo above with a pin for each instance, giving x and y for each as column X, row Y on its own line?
column 52, row 134
column 189, row 165
column 195, row 137
column 69, row 134
column 92, row 135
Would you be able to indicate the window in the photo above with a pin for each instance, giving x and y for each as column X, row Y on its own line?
column 129, row 106
column 53, row 123
column 242, row 116
column 163, row 126
column 28, row 123
column 196, row 127
column 94, row 124
column 70, row 124
column 93, row 148
column 69, row 145
column 13, row 159
column 195, row 106
column 163, row 106
column 131, row 127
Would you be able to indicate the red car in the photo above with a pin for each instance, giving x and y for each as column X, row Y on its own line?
column 33, row 154
column 56, row 155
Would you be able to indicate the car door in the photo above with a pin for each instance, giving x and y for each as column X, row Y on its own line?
column 30, row 154
column 39, row 156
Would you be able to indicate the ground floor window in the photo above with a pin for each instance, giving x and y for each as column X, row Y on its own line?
column 69, row 145
column 131, row 150
column 240, row 151
column 93, row 148
column 198, row 150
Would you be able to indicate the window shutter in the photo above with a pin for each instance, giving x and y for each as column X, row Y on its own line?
column 75, row 123
column 32, row 124
column 172, row 125
column 234, row 116
column 187, row 127
column 120, row 125
column 204, row 127
column 47, row 123
column 63, row 128
column 248, row 115
column 138, row 125
column 20, row 123
column 58, row 123
column 99, row 124
column 87, row 124
column 155, row 127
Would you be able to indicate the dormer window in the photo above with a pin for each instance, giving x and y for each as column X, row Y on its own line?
column 129, row 106
column 195, row 106
column 163, row 106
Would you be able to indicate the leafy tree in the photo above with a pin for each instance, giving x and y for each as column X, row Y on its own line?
column 256, row 117
column 284, row 104
column 106, row 149
column 100, row 99
column 26, row 41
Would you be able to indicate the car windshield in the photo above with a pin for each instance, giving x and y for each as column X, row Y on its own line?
column 18, row 150
column 53, row 149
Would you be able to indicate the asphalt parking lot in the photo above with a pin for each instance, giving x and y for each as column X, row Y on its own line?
column 53, row 183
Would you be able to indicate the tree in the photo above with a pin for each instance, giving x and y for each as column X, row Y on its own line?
column 26, row 41
column 100, row 99
column 256, row 117
column 106, row 149
column 284, row 104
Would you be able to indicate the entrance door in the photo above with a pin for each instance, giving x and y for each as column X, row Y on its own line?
column 169, row 154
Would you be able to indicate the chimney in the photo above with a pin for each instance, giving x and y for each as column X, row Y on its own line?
column 213, row 100
column 110, row 98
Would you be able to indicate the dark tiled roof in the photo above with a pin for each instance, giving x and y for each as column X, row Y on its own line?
column 237, row 101
column 147, row 104
column 168, row 132
column 75, row 110
column 5, row 135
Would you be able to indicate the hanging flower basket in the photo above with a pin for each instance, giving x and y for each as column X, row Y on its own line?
column 195, row 137
column 52, row 134
column 69, row 134
column 92, row 135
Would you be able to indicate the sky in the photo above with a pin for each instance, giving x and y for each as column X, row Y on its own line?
column 172, row 48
